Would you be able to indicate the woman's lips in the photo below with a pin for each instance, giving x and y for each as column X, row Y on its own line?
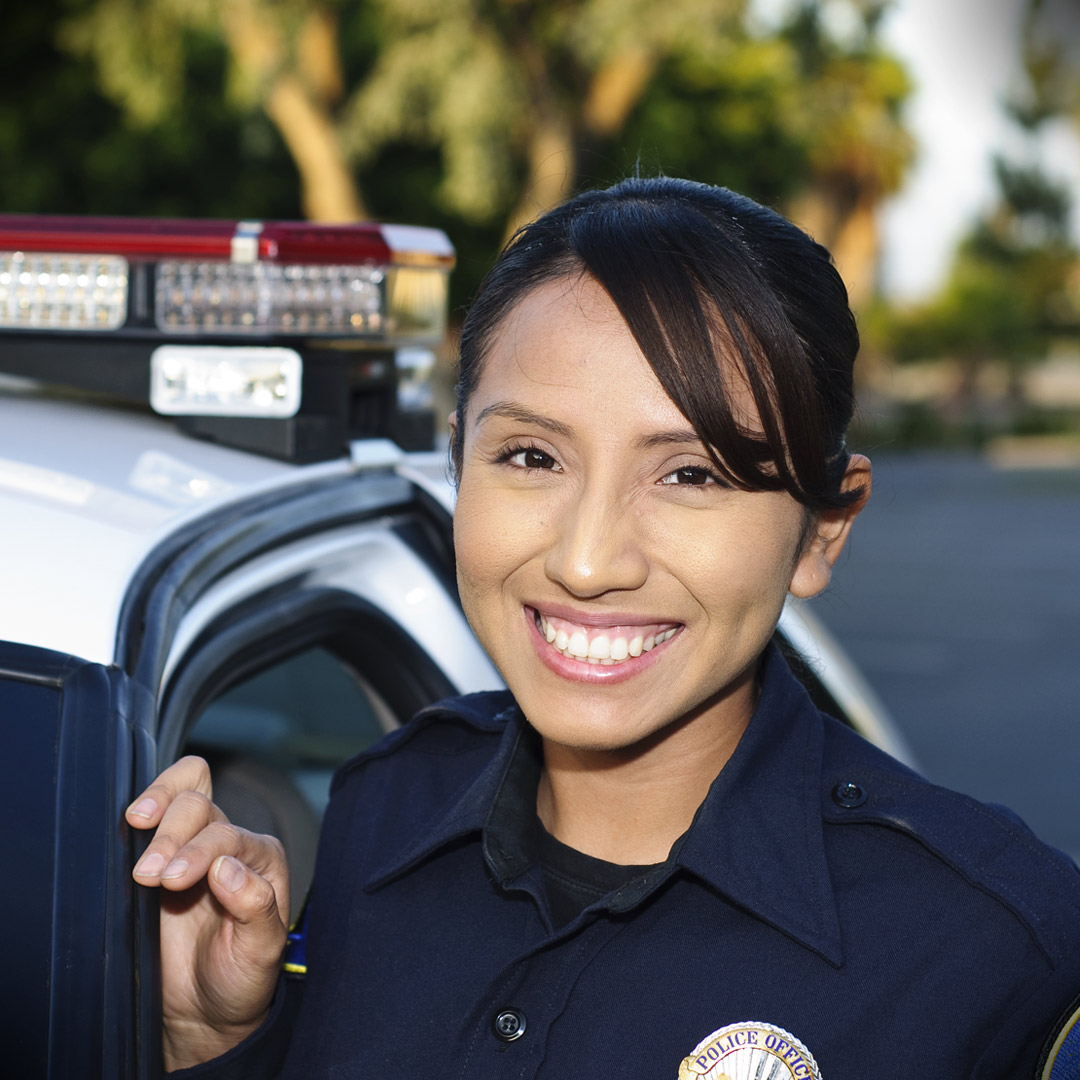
column 586, row 649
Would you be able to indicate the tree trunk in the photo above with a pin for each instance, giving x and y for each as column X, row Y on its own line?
column 550, row 144
column 856, row 249
column 328, row 189
column 552, row 172
column 615, row 89
column 848, row 228
column 299, row 106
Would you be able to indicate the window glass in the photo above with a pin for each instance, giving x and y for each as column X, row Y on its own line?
column 274, row 741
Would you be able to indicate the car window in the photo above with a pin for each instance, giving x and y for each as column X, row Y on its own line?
column 274, row 740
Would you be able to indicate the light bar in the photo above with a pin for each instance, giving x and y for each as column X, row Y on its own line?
column 241, row 279
column 225, row 380
column 250, row 298
column 62, row 291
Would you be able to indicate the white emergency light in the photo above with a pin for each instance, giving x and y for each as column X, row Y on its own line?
column 211, row 380
column 62, row 291
column 252, row 298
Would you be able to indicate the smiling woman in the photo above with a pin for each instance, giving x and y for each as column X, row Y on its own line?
column 653, row 856
column 591, row 513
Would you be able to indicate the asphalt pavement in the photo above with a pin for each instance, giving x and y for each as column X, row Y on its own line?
column 959, row 599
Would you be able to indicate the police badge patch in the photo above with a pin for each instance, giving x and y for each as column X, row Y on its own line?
column 750, row 1050
column 1061, row 1059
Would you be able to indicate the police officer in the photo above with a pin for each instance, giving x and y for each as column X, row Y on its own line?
column 656, row 858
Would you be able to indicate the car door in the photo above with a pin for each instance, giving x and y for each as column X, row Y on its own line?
column 285, row 637
column 69, row 1002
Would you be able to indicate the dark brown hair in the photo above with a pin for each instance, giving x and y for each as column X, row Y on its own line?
column 701, row 274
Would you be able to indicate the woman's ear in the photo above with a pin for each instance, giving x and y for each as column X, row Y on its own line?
column 829, row 532
column 451, row 422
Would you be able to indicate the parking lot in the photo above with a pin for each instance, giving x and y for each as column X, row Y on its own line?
column 959, row 599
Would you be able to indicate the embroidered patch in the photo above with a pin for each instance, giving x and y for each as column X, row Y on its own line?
column 750, row 1049
column 294, row 959
column 1063, row 1057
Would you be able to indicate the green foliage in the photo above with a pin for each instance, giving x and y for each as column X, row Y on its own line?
column 440, row 80
column 1006, row 299
column 731, row 121
column 1038, row 203
column 67, row 148
column 1051, row 53
column 852, row 100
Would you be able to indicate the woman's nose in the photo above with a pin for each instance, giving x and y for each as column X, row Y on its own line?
column 596, row 548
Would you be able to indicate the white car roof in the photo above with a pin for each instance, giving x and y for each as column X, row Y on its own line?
column 86, row 492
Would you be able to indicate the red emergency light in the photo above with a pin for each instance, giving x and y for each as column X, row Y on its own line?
column 242, row 241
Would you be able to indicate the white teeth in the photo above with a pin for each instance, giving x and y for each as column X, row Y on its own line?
column 600, row 648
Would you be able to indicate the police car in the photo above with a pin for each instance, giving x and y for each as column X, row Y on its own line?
column 225, row 532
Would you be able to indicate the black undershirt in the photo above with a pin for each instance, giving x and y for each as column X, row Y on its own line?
column 574, row 880
column 515, row 839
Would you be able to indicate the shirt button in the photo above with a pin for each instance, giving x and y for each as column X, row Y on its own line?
column 848, row 795
column 509, row 1024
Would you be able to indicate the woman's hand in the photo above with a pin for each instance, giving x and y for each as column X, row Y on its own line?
column 224, row 907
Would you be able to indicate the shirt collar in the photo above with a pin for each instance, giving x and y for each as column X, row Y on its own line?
column 756, row 839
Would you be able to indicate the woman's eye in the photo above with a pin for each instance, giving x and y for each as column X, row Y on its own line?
column 692, row 475
column 530, row 458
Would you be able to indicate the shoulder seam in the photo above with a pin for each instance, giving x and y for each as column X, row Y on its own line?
column 1046, row 935
column 421, row 722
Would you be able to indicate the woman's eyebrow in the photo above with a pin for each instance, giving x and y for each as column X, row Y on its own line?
column 676, row 437
column 512, row 411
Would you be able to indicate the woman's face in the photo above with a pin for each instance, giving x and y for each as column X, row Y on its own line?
column 619, row 585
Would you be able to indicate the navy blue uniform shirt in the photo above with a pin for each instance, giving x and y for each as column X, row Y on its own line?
column 824, row 894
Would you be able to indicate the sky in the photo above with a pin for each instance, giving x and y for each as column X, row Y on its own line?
column 963, row 56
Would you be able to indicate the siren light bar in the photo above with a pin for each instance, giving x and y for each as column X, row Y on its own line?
column 385, row 283
column 287, row 338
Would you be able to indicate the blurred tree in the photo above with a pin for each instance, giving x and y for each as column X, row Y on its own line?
column 1051, row 47
column 474, row 115
column 283, row 57
column 1012, row 288
column 530, row 95
column 64, row 148
column 1006, row 299
column 858, row 148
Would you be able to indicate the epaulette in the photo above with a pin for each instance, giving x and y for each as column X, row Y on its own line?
column 988, row 846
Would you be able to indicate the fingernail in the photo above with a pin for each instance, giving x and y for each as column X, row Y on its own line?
column 229, row 873
column 144, row 809
column 176, row 868
column 151, row 866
